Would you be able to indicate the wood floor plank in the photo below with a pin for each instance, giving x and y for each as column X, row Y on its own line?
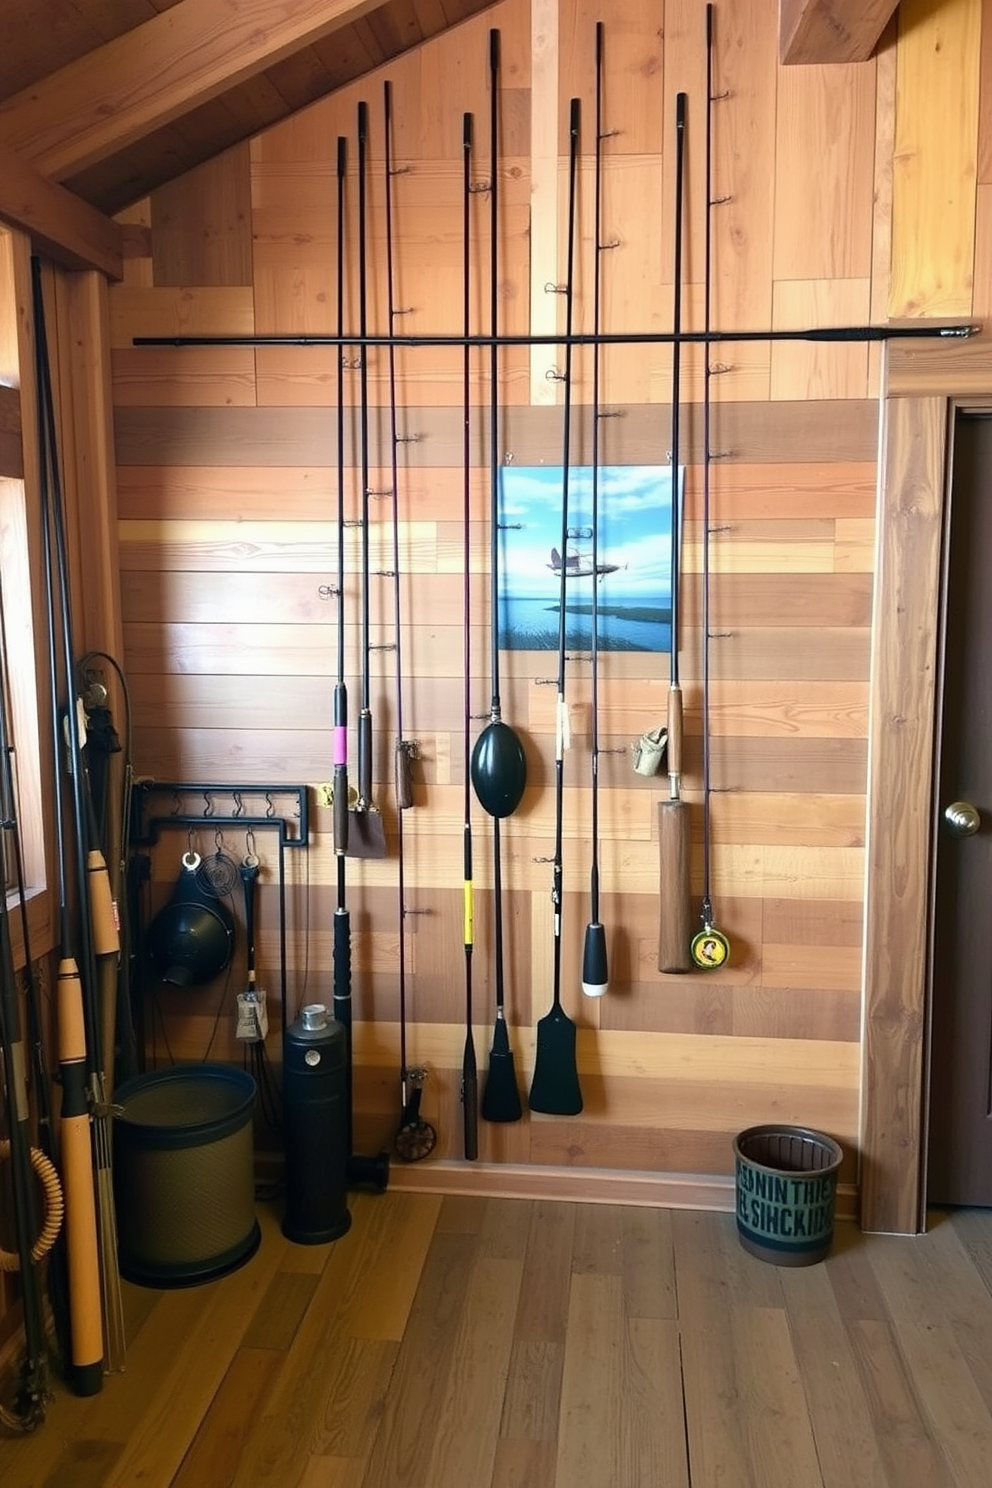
column 545, row 1345
column 354, row 1396
column 213, row 1455
column 842, row 1426
column 544, row 1293
column 279, row 1312
column 648, row 1264
column 524, row 1464
column 713, row 1408
column 777, row 1428
column 652, row 1440
column 951, row 1403
column 479, row 1366
column 402, row 1447
column 532, row 1396
column 912, row 1458
column 590, row 1388
column 506, row 1228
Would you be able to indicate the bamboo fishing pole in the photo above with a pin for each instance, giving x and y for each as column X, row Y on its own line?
column 675, row 909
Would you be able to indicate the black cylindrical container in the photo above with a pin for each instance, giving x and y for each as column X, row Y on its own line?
column 316, row 1128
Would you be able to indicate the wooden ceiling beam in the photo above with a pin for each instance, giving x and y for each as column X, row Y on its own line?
column 116, row 95
column 61, row 226
column 831, row 30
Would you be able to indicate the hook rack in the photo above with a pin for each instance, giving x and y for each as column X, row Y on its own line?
column 291, row 821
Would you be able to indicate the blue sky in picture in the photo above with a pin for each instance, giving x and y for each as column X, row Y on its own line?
column 633, row 557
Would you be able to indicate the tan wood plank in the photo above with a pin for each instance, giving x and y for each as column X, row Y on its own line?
column 213, row 1453
column 789, row 432
column 934, row 165
column 779, row 1435
column 201, row 223
column 63, row 226
column 401, row 1451
column 225, row 311
column 648, row 1266
column 903, row 707
column 825, row 114
column 115, row 95
column 11, row 456
column 819, row 369
column 591, row 1400
column 715, row 1423
column 533, row 1389
column 210, row 376
column 837, row 32
column 652, row 1432
column 905, row 1439
column 280, row 1310
column 479, row 1362
column 951, row 1399
column 846, row 1445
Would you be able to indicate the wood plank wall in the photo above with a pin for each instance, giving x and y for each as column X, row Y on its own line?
column 226, row 486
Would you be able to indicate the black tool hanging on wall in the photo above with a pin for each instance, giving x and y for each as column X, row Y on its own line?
column 555, row 1087
column 367, row 838
column 470, row 1073
column 498, row 767
column 595, row 961
column 415, row 1138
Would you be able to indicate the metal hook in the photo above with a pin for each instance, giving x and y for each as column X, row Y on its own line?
column 270, row 806
column 218, row 841
column 239, row 805
column 208, row 804
column 553, row 375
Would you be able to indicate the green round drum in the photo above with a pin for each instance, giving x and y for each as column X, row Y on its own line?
column 786, row 1179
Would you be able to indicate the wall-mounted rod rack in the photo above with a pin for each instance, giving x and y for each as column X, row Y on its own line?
column 256, row 807
column 922, row 329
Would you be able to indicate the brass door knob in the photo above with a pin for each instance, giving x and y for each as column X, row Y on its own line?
column 962, row 819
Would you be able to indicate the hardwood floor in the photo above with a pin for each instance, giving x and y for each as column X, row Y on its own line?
column 473, row 1343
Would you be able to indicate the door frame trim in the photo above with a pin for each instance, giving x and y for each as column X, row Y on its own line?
column 922, row 392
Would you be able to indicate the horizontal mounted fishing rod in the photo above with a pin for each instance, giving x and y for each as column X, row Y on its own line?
column 588, row 338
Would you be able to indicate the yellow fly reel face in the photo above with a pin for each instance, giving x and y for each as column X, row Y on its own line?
column 710, row 948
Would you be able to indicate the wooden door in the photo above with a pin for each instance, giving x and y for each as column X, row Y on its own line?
column 959, row 1169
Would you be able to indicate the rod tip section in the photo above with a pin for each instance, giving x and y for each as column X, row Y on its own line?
column 494, row 50
column 467, row 131
column 681, row 101
column 342, row 155
column 363, row 122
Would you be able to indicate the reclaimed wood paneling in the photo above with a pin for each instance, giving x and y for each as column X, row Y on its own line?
column 935, row 161
column 229, row 556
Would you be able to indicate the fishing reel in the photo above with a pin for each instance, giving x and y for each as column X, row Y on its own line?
column 709, row 948
column 416, row 1138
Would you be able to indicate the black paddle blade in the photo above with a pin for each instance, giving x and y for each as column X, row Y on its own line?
column 499, row 769
column 555, row 1087
column 500, row 1095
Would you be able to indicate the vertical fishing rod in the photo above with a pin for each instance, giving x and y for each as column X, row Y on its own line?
column 76, row 1025
column 368, row 823
column 32, row 1389
column 362, row 1171
column 709, row 947
column 499, row 770
column 470, row 1074
column 595, row 964
column 415, row 1138
column 675, row 931
column 555, row 1086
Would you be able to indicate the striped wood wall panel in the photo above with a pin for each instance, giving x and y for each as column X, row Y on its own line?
column 227, row 500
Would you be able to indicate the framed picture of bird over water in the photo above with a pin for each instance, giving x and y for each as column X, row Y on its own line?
column 628, row 557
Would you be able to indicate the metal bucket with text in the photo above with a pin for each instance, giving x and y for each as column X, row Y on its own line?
column 786, row 1182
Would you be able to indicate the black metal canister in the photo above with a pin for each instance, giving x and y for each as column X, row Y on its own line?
column 316, row 1128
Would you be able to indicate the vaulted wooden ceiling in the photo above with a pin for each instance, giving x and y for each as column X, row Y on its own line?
column 103, row 100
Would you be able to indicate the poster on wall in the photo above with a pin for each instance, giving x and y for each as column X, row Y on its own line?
column 631, row 567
